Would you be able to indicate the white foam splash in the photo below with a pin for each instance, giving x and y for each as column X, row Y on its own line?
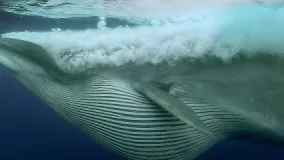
column 224, row 32
column 140, row 45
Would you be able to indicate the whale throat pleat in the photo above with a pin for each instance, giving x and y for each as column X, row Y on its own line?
column 129, row 123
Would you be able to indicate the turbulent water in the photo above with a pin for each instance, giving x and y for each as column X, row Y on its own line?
column 195, row 30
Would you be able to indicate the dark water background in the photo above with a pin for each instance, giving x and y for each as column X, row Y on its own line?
column 30, row 130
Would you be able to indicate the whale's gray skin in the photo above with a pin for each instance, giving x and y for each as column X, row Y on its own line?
column 129, row 119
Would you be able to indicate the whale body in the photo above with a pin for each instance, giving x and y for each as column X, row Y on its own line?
column 148, row 120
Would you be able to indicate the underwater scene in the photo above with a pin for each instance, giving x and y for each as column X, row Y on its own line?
column 141, row 79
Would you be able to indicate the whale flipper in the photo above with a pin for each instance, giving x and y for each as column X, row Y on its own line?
column 165, row 86
column 172, row 105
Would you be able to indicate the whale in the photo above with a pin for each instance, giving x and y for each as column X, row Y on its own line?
column 171, row 117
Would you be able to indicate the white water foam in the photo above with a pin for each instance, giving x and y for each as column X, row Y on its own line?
column 222, row 31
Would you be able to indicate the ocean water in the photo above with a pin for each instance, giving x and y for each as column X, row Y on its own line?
column 30, row 130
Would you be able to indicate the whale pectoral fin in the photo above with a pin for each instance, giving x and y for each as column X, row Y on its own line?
column 165, row 86
column 172, row 105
